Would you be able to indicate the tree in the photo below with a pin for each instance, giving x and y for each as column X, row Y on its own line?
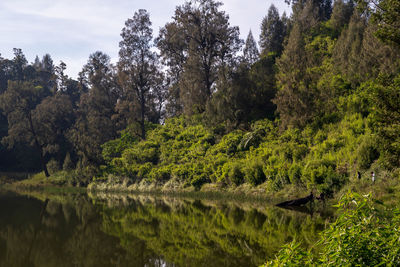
column 247, row 96
column 341, row 14
column 172, row 45
column 386, row 16
column 273, row 31
column 250, row 50
column 19, row 64
column 346, row 55
column 300, row 68
column 137, row 66
column 202, row 50
column 52, row 119
column 323, row 8
column 18, row 104
column 94, row 125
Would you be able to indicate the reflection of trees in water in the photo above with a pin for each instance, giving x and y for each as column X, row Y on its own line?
column 194, row 234
column 144, row 232
column 69, row 234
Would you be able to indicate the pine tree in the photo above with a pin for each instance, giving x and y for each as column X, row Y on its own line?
column 273, row 31
column 250, row 50
column 346, row 56
column 341, row 14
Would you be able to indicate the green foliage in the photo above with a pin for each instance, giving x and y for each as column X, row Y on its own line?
column 368, row 152
column 53, row 166
column 322, row 159
column 114, row 148
column 362, row 235
column 235, row 173
column 254, row 172
column 291, row 254
column 68, row 165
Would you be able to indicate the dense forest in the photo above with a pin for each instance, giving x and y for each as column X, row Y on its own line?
column 313, row 104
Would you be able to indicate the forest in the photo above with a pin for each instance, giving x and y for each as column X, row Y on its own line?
column 313, row 104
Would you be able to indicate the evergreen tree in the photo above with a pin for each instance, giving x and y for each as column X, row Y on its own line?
column 94, row 125
column 341, row 14
column 250, row 50
column 137, row 67
column 323, row 8
column 273, row 31
column 386, row 16
column 172, row 45
column 300, row 66
column 346, row 55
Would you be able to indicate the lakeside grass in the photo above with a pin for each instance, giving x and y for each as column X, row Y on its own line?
column 386, row 190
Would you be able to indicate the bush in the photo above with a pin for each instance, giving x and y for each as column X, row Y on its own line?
column 199, row 180
column 367, row 152
column 53, row 166
column 254, row 173
column 362, row 235
column 233, row 173
column 295, row 173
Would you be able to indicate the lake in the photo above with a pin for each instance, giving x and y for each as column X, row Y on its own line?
column 140, row 230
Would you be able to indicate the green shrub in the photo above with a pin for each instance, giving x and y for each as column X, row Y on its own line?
column 295, row 173
column 233, row 172
column 367, row 152
column 53, row 166
column 254, row 173
column 199, row 180
column 144, row 170
column 362, row 235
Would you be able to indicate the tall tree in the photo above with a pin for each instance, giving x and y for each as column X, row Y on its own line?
column 298, row 75
column 322, row 7
column 137, row 66
column 209, row 44
column 172, row 45
column 341, row 14
column 94, row 125
column 250, row 50
column 346, row 55
column 18, row 104
column 273, row 31
column 247, row 96
column 52, row 118
column 19, row 64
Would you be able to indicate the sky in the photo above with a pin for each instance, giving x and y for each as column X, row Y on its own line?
column 70, row 30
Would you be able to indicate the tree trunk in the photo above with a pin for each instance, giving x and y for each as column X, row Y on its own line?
column 142, row 120
column 38, row 146
column 44, row 167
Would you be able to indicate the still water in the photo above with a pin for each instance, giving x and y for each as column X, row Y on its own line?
column 114, row 230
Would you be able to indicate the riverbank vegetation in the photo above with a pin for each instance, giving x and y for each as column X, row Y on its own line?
column 365, row 233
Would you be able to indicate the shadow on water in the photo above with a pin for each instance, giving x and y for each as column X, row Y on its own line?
column 77, row 230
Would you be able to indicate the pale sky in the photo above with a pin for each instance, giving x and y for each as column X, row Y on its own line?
column 70, row 30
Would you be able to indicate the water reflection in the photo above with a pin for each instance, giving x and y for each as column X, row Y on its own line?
column 115, row 230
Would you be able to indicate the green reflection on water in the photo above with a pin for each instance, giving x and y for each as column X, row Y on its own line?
column 75, row 230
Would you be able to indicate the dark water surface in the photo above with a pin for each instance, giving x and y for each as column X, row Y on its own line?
column 115, row 230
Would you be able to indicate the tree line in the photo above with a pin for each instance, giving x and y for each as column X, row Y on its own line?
column 198, row 67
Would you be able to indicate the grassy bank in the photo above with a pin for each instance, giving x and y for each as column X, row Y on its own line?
column 385, row 189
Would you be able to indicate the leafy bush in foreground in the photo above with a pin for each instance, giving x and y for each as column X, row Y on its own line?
column 361, row 236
